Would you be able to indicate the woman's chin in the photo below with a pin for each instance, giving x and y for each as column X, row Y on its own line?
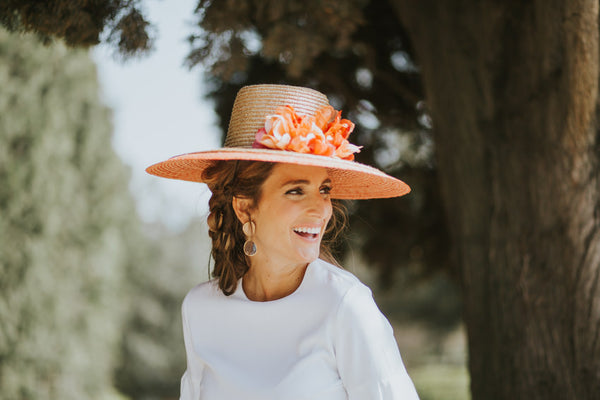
column 308, row 255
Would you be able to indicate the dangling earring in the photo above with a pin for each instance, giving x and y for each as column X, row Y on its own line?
column 249, row 246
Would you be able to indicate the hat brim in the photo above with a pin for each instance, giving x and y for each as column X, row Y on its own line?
column 350, row 179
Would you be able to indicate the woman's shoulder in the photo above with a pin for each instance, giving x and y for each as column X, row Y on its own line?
column 336, row 279
column 203, row 292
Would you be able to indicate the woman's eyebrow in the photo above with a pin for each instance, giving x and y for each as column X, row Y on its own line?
column 296, row 182
column 302, row 182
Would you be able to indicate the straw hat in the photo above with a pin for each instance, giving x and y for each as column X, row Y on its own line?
column 256, row 104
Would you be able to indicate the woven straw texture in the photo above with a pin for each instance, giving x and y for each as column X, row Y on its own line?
column 254, row 103
column 350, row 179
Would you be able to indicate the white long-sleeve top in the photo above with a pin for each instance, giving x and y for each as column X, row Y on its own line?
column 327, row 340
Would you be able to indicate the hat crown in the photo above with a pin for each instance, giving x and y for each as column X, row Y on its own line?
column 253, row 103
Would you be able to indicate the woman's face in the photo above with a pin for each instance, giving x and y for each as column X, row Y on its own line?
column 292, row 214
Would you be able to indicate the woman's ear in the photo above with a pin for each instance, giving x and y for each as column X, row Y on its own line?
column 241, row 207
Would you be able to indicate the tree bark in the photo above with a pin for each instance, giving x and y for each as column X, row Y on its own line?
column 513, row 89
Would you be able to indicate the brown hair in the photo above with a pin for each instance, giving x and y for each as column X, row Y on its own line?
column 228, row 179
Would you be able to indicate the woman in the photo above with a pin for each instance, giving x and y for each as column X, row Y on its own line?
column 279, row 320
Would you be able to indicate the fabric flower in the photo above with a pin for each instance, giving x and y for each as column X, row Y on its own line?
column 324, row 134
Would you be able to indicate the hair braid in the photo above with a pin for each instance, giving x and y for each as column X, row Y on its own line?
column 226, row 180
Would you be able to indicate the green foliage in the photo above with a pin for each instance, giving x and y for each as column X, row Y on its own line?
column 152, row 355
column 67, row 226
column 296, row 32
column 81, row 23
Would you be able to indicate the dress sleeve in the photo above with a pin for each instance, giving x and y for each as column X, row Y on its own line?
column 367, row 355
column 192, row 377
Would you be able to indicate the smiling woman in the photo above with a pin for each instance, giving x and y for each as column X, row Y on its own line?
column 290, row 217
column 280, row 320
column 289, row 209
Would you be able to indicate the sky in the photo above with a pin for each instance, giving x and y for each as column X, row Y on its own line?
column 159, row 112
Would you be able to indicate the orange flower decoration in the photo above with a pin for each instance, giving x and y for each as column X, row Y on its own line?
column 323, row 134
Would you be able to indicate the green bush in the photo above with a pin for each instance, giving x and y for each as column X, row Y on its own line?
column 68, row 230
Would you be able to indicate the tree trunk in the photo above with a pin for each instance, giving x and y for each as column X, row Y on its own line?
column 513, row 89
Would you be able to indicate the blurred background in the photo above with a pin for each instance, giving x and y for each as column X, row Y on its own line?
column 96, row 255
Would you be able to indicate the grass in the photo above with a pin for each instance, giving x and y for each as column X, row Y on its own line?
column 441, row 382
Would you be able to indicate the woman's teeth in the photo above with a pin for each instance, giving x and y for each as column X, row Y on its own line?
column 306, row 232
column 312, row 231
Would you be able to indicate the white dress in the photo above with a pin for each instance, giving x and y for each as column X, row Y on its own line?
column 327, row 340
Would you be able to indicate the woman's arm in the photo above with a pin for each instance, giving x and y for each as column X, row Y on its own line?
column 367, row 355
column 190, row 381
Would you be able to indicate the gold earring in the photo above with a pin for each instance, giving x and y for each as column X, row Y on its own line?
column 249, row 246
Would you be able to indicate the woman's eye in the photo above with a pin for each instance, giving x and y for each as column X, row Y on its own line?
column 294, row 191
column 326, row 190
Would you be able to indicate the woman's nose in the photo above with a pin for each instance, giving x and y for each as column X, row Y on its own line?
column 320, row 205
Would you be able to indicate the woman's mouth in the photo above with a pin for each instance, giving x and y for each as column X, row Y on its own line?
column 308, row 232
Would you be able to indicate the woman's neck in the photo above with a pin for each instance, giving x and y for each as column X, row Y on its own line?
column 263, row 282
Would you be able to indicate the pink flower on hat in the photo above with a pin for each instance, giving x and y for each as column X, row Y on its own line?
column 323, row 134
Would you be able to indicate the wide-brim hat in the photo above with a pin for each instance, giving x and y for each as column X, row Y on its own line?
column 349, row 179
